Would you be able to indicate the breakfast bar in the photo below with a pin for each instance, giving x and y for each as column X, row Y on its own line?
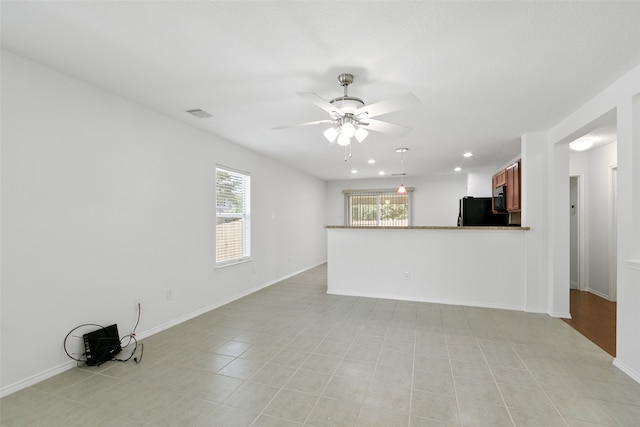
column 473, row 266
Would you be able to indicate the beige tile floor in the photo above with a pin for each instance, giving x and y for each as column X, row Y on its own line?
column 291, row 355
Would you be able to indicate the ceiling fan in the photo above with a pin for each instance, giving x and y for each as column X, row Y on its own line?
column 349, row 117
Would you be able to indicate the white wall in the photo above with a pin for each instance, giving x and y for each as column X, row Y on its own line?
column 595, row 168
column 621, row 98
column 455, row 266
column 480, row 184
column 104, row 201
column 435, row 199
column 534, row 205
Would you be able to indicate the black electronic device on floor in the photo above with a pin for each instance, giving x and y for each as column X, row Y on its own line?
column 101, row 345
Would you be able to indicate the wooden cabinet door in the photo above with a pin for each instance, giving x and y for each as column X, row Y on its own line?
column 499, row 179
column 513, row 187
column 516, row 186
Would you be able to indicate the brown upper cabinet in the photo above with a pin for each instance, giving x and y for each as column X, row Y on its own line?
column 513, row 187
column 509, row 177
column 500, row 178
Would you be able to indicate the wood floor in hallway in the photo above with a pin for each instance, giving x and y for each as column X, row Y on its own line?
column 595, row 318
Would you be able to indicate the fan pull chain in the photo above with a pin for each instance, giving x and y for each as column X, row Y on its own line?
column 347, row 152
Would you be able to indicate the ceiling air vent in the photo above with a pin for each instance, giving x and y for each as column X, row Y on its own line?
column 199, row 113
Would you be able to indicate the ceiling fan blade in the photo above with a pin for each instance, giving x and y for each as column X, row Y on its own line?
column 396, row 103
column 322, row 103
column 385, row 127
column 317, row 122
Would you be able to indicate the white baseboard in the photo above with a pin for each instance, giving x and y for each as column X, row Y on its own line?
column 34, row 379
column 211, row 307
column 598, row 293
column 46, row 374
column 431, row 300
column 535, row 310
column 560, row 315
column 635, row 375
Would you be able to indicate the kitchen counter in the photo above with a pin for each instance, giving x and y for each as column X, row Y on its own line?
column 472, row 266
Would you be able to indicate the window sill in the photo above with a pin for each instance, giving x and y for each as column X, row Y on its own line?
column 234, row 263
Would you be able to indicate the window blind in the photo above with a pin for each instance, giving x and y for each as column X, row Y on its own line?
column 232, row 216
column 377, row 208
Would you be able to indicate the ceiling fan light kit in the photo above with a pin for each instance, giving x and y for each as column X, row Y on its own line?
column 351, row 118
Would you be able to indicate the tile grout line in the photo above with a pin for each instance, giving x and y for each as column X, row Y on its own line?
column 375, row 368
column 484, row 357
column 553, row 403
column 342, row 358
column 282, row 387
column 413, row 369
column 537, row 382
column 453, row 378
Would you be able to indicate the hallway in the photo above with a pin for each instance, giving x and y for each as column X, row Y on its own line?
column 595, row 318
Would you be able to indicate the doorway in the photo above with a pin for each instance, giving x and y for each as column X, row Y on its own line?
column 592, row 244
column 591, row 314
column 595, row 318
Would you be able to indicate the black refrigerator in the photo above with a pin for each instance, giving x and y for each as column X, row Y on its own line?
column 477, row 211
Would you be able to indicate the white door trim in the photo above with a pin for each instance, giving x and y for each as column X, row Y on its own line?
column 583, row 236
column 613, row 230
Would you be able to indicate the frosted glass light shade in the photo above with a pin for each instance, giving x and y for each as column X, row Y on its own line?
column 361, row 134
column 348, row 129
column 402, row 189
column 343, row 140
column 331, row 134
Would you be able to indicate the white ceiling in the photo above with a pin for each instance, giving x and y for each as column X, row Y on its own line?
column 486, row 72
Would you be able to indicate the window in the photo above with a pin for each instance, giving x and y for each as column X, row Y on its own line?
column 377, row 208
column 232, row 216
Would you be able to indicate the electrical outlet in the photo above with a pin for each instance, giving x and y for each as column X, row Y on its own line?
column 169, row 294
column 138, row 302
column 407, row 276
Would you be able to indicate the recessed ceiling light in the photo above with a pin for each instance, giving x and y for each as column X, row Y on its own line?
column 371, row 161
column 458, row 169
column 381, row 173
column 354, row 171
column 581, row 144
column 468, row 154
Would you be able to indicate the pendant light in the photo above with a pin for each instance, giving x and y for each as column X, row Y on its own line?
column 402, row 189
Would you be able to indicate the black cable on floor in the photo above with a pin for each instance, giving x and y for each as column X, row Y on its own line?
column 131, row 337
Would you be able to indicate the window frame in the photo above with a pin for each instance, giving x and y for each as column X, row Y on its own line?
column 245, row 216
column 378, row 193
